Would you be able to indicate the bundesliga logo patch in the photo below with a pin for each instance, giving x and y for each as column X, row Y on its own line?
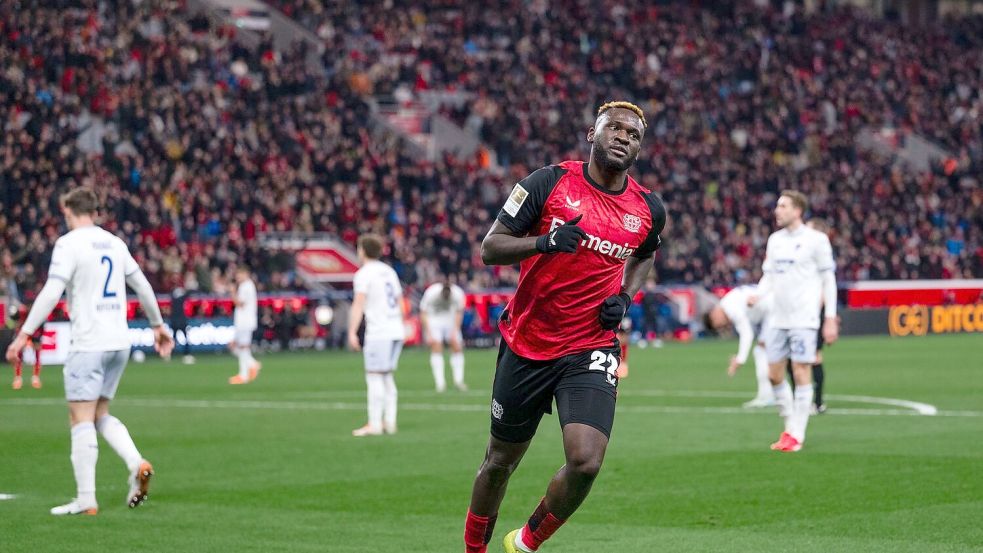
column 516, row 199
column 632, row 222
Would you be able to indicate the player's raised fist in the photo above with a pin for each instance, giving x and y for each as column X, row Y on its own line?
column 563, row 239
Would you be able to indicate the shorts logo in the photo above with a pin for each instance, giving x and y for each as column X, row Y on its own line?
column 497, row 410
column 572, row 204
column 516, row 199
column 632, row 222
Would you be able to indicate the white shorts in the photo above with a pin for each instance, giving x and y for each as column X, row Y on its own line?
column 797, row 344
column 90, row 375
column 381, row 356
column 442, row 331
column 244, row 337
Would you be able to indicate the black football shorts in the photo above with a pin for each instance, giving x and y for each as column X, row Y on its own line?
column 583, row 385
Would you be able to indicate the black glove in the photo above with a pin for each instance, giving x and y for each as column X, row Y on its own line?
column 564, row 238
column 613, row 311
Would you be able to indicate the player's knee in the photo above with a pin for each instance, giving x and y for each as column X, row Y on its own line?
column 497, row 468
column 586, row 465
column 497, row 473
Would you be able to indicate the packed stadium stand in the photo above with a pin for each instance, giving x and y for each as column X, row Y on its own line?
column 199, row 144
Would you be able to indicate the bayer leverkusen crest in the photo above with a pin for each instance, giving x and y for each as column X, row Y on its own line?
column 632, row 222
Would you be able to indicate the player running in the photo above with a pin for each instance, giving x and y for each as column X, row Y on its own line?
column 584, row 235
column 749, row 323
column 244, row 321
column 379, row 297
column 441, row 314
column 94, row 267
column 799, row 273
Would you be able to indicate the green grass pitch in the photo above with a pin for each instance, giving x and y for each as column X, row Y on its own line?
column 272, row 466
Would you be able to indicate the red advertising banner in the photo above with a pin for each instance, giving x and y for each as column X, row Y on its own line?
column 326, row 264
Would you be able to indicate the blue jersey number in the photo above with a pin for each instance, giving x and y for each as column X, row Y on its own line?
column 105, row 289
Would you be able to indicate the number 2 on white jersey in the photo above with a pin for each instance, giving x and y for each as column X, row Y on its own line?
column 109, row 275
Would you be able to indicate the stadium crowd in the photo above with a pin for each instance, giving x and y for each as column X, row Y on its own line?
column 207, row 144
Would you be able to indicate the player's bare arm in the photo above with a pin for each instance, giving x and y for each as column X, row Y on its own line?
column 636, row 271
column 502, row 246
column 355, row 320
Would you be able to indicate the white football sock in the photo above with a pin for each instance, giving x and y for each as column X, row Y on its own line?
column 118, row 437
column 437, row 366
column 243, row 355
column 803, row 405
column 519, row 544
column 761, row 373
column 377, row 398
column 457, row 367
column 783, row 399
column 85, row 454
column 391, row 398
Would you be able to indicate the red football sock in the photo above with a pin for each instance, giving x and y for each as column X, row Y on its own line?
column 37, row 363
column 540, row 527
column 17, row 367
column 478, row 532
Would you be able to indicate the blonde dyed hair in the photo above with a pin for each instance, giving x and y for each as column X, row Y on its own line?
column 624, row 105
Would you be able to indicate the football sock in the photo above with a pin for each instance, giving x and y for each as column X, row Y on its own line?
column 391, row 397
column 437, row 366
column 18, row 365
column 800, row 417
column 85, row 454
column 541, row 525
column 457, row 367
column 478, row 532
column 376, row 397
column 118, row 437
column 36, row 346
column 250, row 360
column 243, row 356
column 761, row 372
column 783, row 399
column 818, row 376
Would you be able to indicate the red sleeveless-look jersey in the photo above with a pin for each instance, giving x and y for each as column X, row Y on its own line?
column 555, row 309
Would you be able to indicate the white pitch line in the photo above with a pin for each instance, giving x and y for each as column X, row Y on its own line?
column 7, row 496
column 452, row 407
column 920, row 408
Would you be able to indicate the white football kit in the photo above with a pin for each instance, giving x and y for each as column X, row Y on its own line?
column 799, row 273
column 794, row 269
column 748, row 321
column 245, row 319
column 94, row 267
column 442, row 313
column 384, row 330
column 384, row 335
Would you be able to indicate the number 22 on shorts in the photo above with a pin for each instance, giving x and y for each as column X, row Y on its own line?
column 606, row 363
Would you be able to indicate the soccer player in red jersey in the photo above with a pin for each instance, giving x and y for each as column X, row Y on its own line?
column 584, row 235
column 34, row 342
